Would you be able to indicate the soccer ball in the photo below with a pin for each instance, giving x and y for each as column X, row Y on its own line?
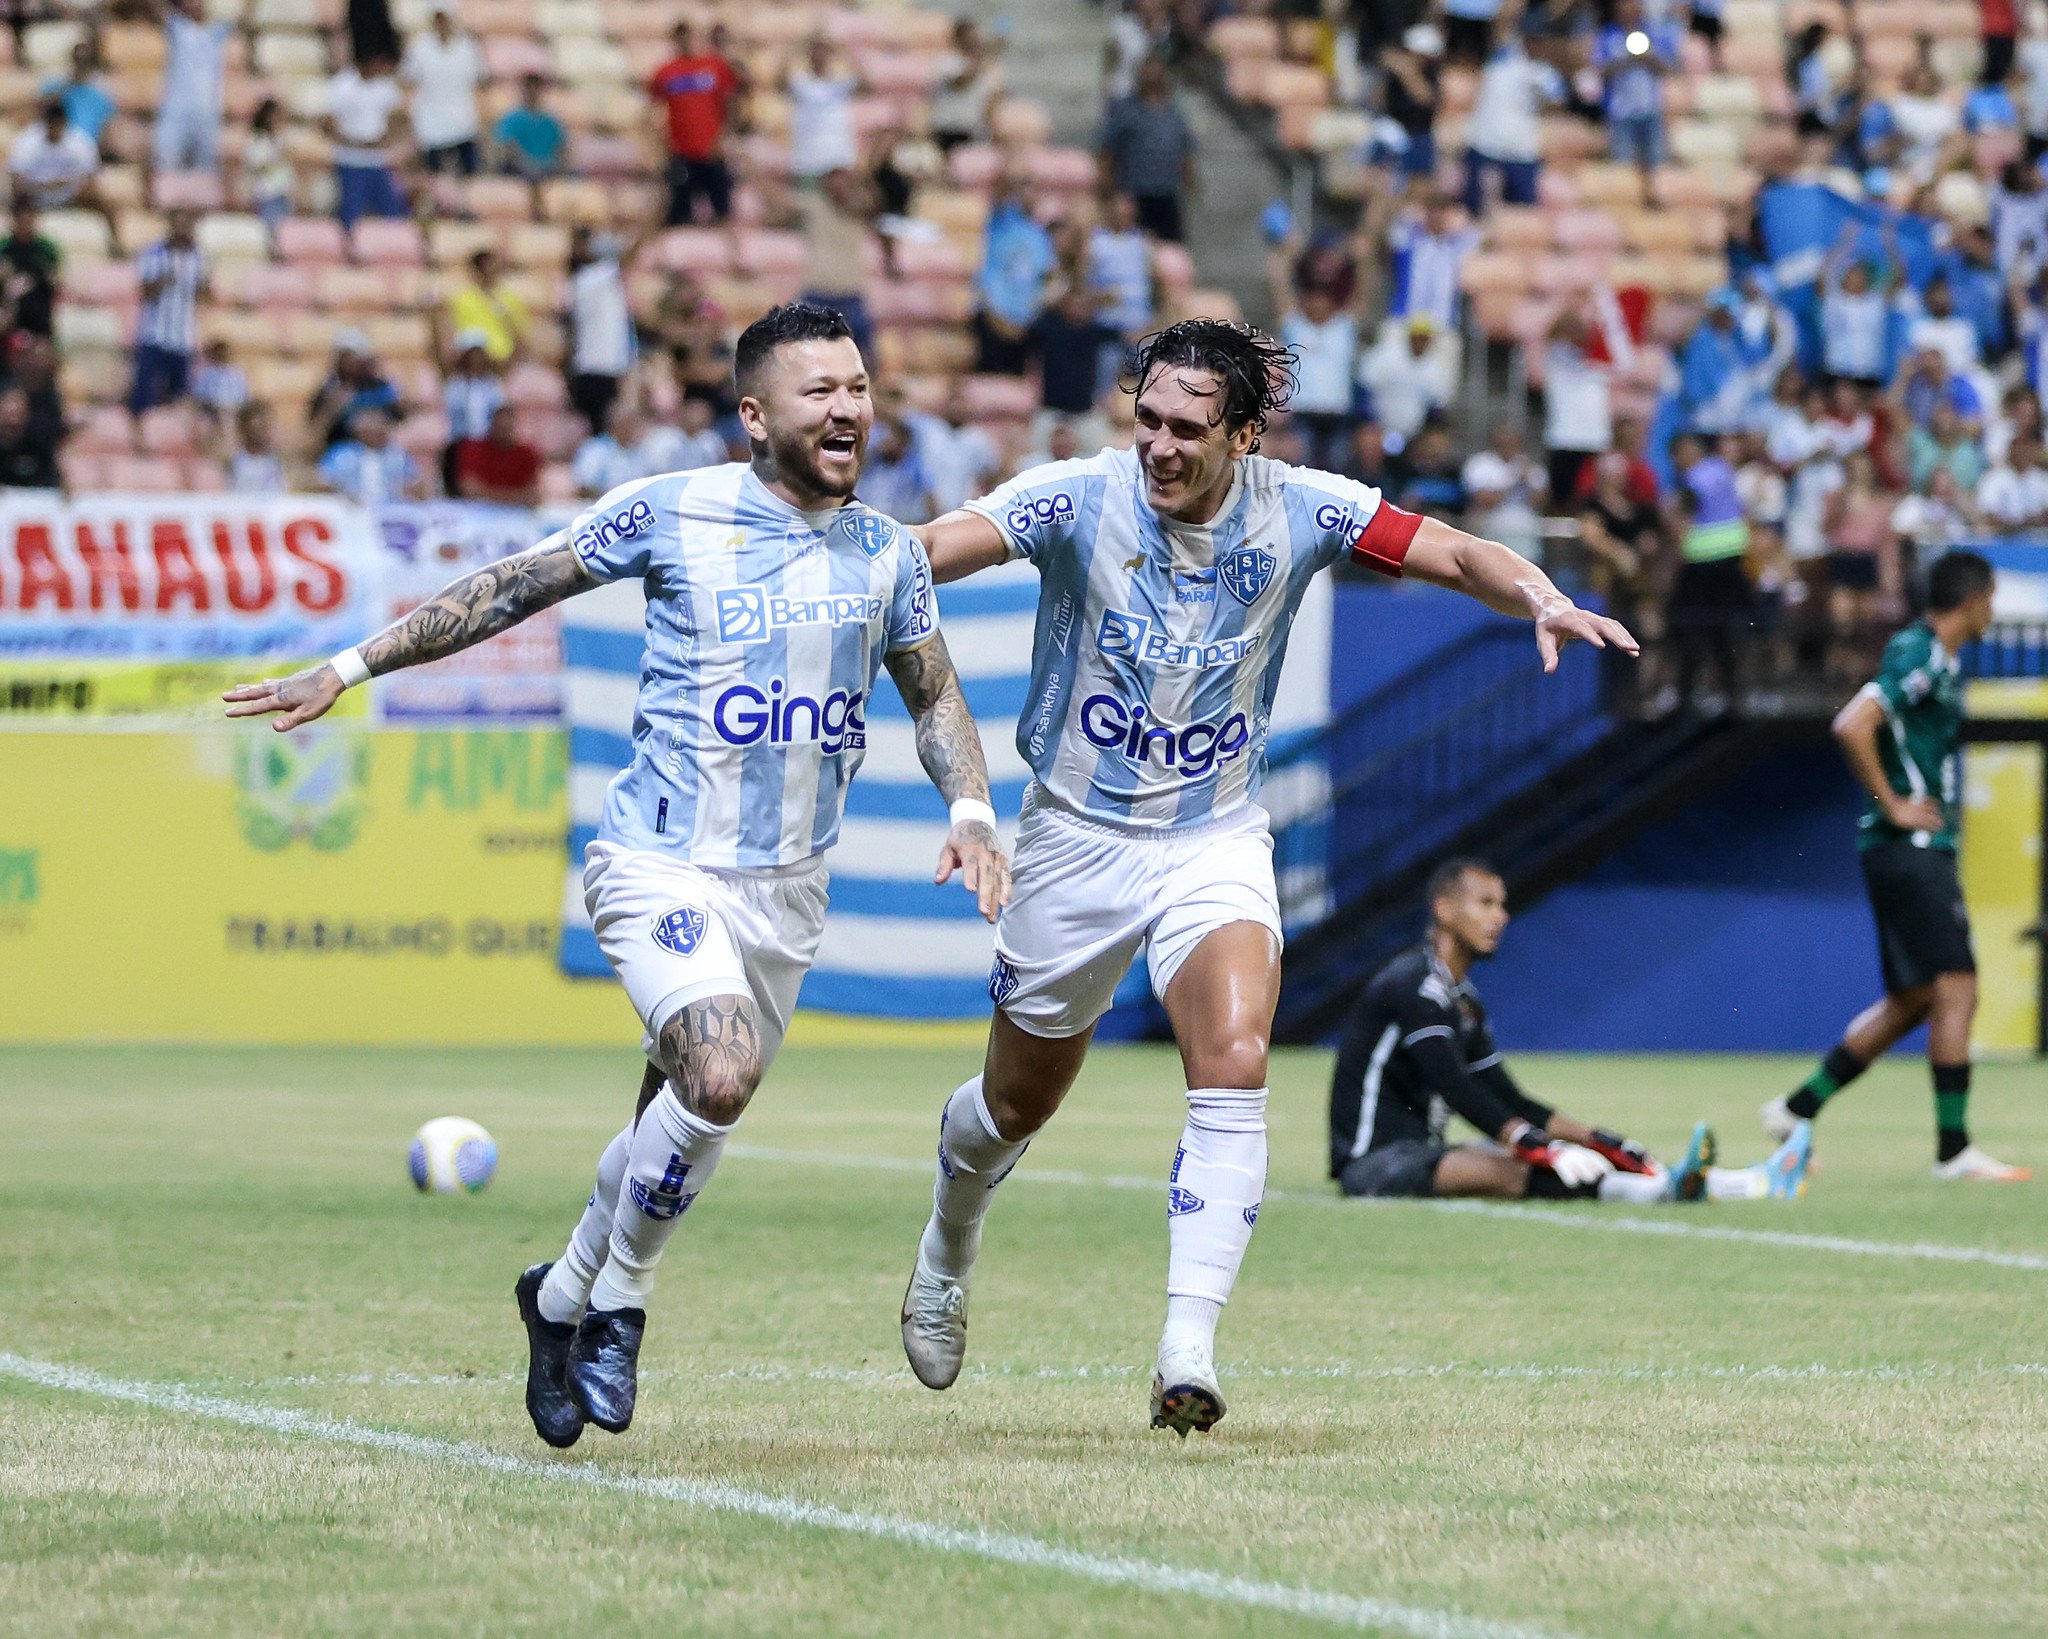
column 452, row 1156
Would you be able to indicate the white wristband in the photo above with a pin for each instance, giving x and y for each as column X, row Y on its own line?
column 967, row 810
column 349, row 667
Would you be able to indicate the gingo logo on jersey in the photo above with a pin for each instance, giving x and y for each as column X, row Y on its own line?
column 1040, row 510
column 750, row 614
column 1195, row 749
column 1125, row 636
column 745, row 715
column 619, row 526
column 1333, row 519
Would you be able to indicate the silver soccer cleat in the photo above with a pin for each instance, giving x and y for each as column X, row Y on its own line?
column 934, row 1326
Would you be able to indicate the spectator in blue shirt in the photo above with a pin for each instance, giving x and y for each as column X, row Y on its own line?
column 368, row 468
column 87, row 102
column 1017, row 258
column 1927, row 382
column 1989, row 108
column 529, row 139
column 894, row 480
column 1971, row 269
column 1633, row 56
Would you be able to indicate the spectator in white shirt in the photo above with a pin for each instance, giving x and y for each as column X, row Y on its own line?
column 1578, row 409
column 1410, row 375
column 1502, row 489
column 627, row 449
column 960, row 460
column 602, row 341
column 359, row 105
column 968, row 80
column 1322, row 338
column 2013, row 496
column 1120, row 267
column 172, row 274
column 820, row 113
column 444, row 69
column 697, row 443
column 55, row 164
column 254, row 467
column 195, row 79
column 1941, row 329
column 1855, row 316
column 368, row 468
column 1505, row 127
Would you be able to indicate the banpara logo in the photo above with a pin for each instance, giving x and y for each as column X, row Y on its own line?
column 1122, row 634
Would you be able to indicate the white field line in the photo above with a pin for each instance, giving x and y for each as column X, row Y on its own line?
column 1811, row 1372
column 1613, row 1223
column 1144, row 1575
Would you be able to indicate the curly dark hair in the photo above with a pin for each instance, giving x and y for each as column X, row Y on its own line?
column 1256, row 372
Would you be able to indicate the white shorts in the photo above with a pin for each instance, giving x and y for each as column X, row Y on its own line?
column 675, row 933
column 1087, row 898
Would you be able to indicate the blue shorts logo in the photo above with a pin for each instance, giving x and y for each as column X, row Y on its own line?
column 1246, row 572
column 1122, row 634
column 1251, row 1216
column 742, row 614
column 679, row 931
column 1180, row 1202
column 1002, row 981
column 872, row 533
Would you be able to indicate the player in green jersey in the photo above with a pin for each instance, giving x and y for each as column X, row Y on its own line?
column 1900, row 735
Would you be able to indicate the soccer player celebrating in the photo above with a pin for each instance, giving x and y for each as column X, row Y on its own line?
column 1170, row 574
column 773, row 598
column 1899, row 734
column 1417, row 1047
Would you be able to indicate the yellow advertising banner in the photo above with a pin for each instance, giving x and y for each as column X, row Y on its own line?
column 336, row 885
column 2001, row 870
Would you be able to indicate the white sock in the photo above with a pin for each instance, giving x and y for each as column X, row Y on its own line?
column 672, row 1157
column 1637, row 1188
column 1737, row 1183
column 1219, row 1177
column 566, row 1291
column 973, row 1159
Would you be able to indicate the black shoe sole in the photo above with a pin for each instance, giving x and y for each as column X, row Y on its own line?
column 1188, row 1408
column 528, row 1300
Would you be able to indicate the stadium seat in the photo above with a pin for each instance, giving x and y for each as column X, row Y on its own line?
column 309, row 239
column 231, row 236
column 389, row 242
column 704, row 251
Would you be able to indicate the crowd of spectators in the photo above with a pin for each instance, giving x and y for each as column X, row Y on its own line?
column 516, row 383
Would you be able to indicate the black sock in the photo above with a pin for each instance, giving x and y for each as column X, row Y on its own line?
column 1836, row 1071
column 1951, row 1110
column 1545, row 1185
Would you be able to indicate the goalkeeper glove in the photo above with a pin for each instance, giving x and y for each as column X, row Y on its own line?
column 1625, row 1154
column 1576, row 1166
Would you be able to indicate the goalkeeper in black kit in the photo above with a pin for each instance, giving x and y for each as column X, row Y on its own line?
column 1416, row 1050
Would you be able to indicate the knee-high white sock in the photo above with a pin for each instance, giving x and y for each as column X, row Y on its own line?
column 672, row 1157
column 1737, row 1183
column 1637, row 1188
column 566, row 1291
column 1219, row 1177
column 973, row 1159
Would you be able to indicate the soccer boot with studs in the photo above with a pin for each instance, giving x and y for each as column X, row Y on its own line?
column 604, row 1362
column 934, row 1326
column 557, row 1418
column 1185, row 1395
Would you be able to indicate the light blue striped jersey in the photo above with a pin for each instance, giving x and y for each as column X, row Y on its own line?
column 1158, row 645
column 766, row 628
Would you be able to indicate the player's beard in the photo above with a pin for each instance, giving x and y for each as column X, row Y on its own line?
column 793, row 458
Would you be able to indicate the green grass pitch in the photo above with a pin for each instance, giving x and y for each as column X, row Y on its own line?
column 1470, row 1424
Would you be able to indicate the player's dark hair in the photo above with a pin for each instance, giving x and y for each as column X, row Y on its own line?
column 1256, row 371
column 1956, row 578
column 780, row 327
column 1450, row 873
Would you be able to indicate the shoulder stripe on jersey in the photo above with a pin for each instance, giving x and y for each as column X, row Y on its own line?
column 1424, row 1033
column 1486, row 1063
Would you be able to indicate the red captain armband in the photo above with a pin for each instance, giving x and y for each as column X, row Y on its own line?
column 1383, row 543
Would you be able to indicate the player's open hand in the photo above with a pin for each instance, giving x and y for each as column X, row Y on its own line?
column 1915, row 813
column 1560, row 624
column 301, row 697
column 972, row 850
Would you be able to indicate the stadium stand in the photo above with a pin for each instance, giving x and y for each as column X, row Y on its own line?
column 286, row 278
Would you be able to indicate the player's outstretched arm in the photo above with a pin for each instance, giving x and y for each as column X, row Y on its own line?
column 1504, row 580
column 961, row 543
column 465, row 612
column 949, row 746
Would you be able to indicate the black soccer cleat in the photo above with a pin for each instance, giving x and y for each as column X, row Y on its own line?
column 604, row 1362
column 557, row 1418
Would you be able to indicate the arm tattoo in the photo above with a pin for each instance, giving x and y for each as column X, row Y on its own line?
column 480, row 605
column 947, row 742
